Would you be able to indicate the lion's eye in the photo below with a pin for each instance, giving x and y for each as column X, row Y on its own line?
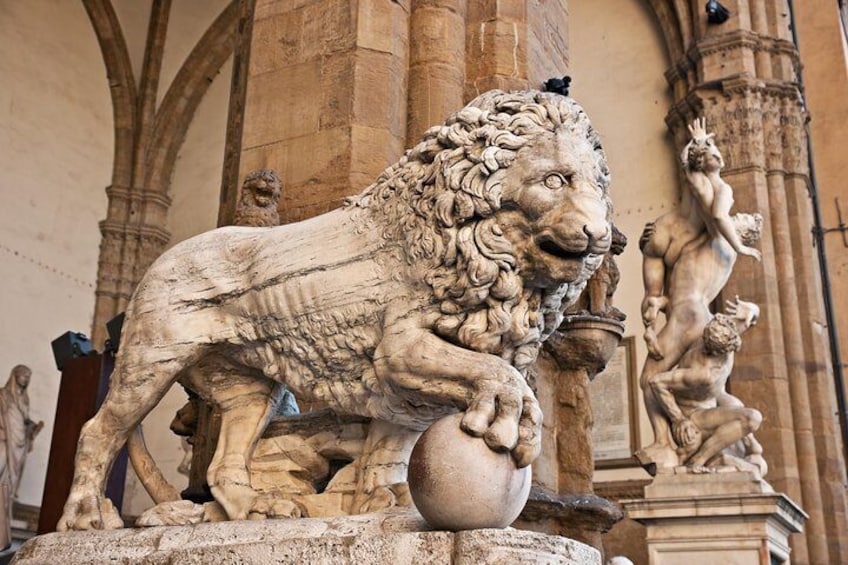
column 556, row 180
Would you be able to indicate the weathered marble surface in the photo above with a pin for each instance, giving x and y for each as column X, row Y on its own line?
column 388, row 537
column 429, row 293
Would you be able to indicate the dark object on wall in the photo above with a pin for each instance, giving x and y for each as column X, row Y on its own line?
column 558, row 85
column 85, row 381
column 70, row 345
column 113, row 328
column 716, row 13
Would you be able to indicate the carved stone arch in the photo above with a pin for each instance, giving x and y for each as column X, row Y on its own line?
column 184, row 96
column 669, row 24
column 684, row 9
column 122, row 85
column 147, row 140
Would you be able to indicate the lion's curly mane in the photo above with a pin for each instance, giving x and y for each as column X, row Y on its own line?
column 440, row 200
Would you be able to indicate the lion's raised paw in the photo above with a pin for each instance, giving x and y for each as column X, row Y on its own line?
column 89, row 513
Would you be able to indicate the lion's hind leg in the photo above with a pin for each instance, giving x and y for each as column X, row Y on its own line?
column 381, row 470
column 137, row 385
column 247, row 404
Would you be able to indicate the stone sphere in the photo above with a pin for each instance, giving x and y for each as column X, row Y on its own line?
column 458, row 483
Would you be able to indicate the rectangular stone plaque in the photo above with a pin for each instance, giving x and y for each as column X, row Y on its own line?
column 615, row 434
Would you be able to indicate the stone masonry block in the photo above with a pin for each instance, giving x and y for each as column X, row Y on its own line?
column 380, row 92
column 439, row 88
column 490, row 10
column 267, row 8
column 459, row 7
column 276, row 42
column 382, row 25
column 329, row 26
column 372, row 150
column 435, row 37
column 321, row 156
column 337, row 89
column 281, row 104
column 497, row 48
column 271, row 156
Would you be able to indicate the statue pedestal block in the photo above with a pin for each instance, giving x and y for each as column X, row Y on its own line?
column 733, row 518
column 396, row 537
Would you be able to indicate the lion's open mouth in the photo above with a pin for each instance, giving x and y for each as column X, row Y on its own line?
column 550, row 247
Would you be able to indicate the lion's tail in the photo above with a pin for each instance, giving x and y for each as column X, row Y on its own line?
column 155, row 483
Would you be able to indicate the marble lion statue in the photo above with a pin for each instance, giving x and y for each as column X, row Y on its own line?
column 429, row 293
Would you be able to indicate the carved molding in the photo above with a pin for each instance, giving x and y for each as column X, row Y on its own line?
column 622, row 490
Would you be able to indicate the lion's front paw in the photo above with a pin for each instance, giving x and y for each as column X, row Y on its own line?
column 508, row 417
column 90, row 512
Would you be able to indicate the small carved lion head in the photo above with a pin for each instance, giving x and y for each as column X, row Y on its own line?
column 261, row 188
column 260, row 199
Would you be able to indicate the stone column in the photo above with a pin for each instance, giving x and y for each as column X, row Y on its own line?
column 496, row 46
column 436, row 63
column 570, row 359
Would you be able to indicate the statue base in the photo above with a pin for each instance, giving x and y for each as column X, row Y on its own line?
column 723, row 516
column 397, row 537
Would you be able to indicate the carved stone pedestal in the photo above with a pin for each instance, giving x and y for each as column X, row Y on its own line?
column 733, row 518
column 397, row 537
column 570, row 359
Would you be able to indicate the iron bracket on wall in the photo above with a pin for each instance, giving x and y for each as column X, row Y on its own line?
column 820, row 232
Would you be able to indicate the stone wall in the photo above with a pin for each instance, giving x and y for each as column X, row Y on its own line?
column 55, row 153
column 823, row 42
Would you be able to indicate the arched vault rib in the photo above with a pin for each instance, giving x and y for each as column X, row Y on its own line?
column 184, row 96
column 122, row 85
column 669, row 24
column 147, row 140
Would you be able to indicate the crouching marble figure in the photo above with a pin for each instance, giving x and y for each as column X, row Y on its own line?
column 689, row 254
column 429, row 293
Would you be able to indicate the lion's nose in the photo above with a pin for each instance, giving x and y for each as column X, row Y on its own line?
column 599, row 237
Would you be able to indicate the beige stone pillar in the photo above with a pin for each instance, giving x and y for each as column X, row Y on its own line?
column 821, row 41
column 326, row 98
column 496, row 46
column 436, row 63
column 514, row 44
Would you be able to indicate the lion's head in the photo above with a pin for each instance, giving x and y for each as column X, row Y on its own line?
column 260, row 199
column 506, row 205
